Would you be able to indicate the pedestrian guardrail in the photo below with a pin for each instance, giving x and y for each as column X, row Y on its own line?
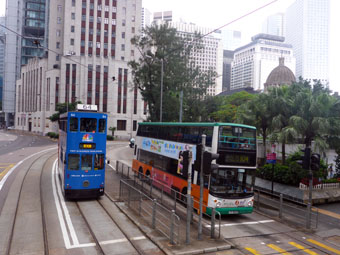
column 172, row 199
column 299, row 213
column 321, row 186
column 151, row 210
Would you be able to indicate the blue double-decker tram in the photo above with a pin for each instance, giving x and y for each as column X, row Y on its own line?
column 82, row 152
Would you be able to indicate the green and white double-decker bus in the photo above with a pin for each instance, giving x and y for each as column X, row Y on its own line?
column 229, row 189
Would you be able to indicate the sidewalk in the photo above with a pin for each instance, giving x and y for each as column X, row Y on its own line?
column 205, row 246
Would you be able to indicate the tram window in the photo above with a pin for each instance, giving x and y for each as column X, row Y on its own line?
column 86, row 162
column 73, row 161
column 88, row 125
column 101, row 128
column 73, row 124
column 98, row 161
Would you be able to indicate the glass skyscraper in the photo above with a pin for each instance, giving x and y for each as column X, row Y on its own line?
column 308, row 31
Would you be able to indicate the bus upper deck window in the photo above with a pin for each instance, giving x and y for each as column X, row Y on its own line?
column 86, row 162
column 73, row 124
column 101, row 128
column 88, row 125
column 73, row 161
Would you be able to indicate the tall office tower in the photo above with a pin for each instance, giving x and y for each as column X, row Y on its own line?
column 231, row 39
column 253, row 62
column 90, row 46
column 146, row 17
column 212, row 54
column 2, row 62
column 165, row 16
column 2, row 46
column 275, row 25
column 228, row 57
column 308, row 32
column 27, row 19
column 2, row 55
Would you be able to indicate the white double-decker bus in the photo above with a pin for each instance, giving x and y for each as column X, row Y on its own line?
column 229, row 189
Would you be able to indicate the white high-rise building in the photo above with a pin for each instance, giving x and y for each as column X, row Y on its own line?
column 146, row 17
column 275, row 25
column 254, row 62
column 308, row 31
column 211, row 57
column 231, row 39
column 89, row 49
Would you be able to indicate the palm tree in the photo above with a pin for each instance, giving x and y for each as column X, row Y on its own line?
column 282, row 111
column 315, row 113
column 112, row 129
column 258, row 112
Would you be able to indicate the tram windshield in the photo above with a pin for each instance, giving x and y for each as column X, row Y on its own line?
column 88, row 125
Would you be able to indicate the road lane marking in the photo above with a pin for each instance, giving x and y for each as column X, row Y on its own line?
column 3, row 181
column 242, row 223
column 253, row 251
column 328, row 213
column 7, row 167
column 64, row 215
column 138, row 238
column 303, row 248
column 277, row 248
column 65, row 221
column 324, row 246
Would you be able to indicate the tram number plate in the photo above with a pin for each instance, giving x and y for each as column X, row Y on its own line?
column 233, row 212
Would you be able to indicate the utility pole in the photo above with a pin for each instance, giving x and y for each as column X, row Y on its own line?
column 201, row 190
column 161, row 99
column 189, row 204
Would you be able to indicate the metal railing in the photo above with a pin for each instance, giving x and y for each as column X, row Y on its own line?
column 287, row 209
column 151, row 210
column 168, row 197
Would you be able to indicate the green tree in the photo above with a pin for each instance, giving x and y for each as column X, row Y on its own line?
column 227, row 112
column 112, row 129
column 62, row 108
column 282, row 111
column 258, row 112
column 160, row 46
column 315, row 111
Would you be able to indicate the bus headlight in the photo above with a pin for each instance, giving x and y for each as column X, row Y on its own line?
column 250, row 203
column 218, row 204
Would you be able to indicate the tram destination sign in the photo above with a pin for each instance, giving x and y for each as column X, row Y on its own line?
column 86, row 146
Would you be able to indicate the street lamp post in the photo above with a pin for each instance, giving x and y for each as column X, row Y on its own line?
column 161, row 103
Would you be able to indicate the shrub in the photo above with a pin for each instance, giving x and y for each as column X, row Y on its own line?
column 109, row 138
column 53, row 135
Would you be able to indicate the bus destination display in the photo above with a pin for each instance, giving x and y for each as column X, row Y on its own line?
column 236, row 159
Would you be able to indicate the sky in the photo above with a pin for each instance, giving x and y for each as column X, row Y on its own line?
column 216, row 13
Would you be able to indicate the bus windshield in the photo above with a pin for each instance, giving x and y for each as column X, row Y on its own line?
column 230, row 182
column 231, row 137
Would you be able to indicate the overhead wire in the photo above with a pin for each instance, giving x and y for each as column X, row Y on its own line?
column 179, row 48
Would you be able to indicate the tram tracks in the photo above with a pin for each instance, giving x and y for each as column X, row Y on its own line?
column 25, row 234
column 126, row 238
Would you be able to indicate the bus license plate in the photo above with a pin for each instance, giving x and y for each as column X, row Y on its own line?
column 233, row 212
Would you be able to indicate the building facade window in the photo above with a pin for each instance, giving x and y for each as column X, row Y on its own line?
column 121, row 125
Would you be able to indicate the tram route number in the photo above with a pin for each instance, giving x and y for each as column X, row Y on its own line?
column 87, row 146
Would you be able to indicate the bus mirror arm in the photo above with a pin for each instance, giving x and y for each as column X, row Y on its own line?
column 64, row 161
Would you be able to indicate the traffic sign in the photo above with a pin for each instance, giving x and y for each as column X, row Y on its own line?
column 271, row 158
